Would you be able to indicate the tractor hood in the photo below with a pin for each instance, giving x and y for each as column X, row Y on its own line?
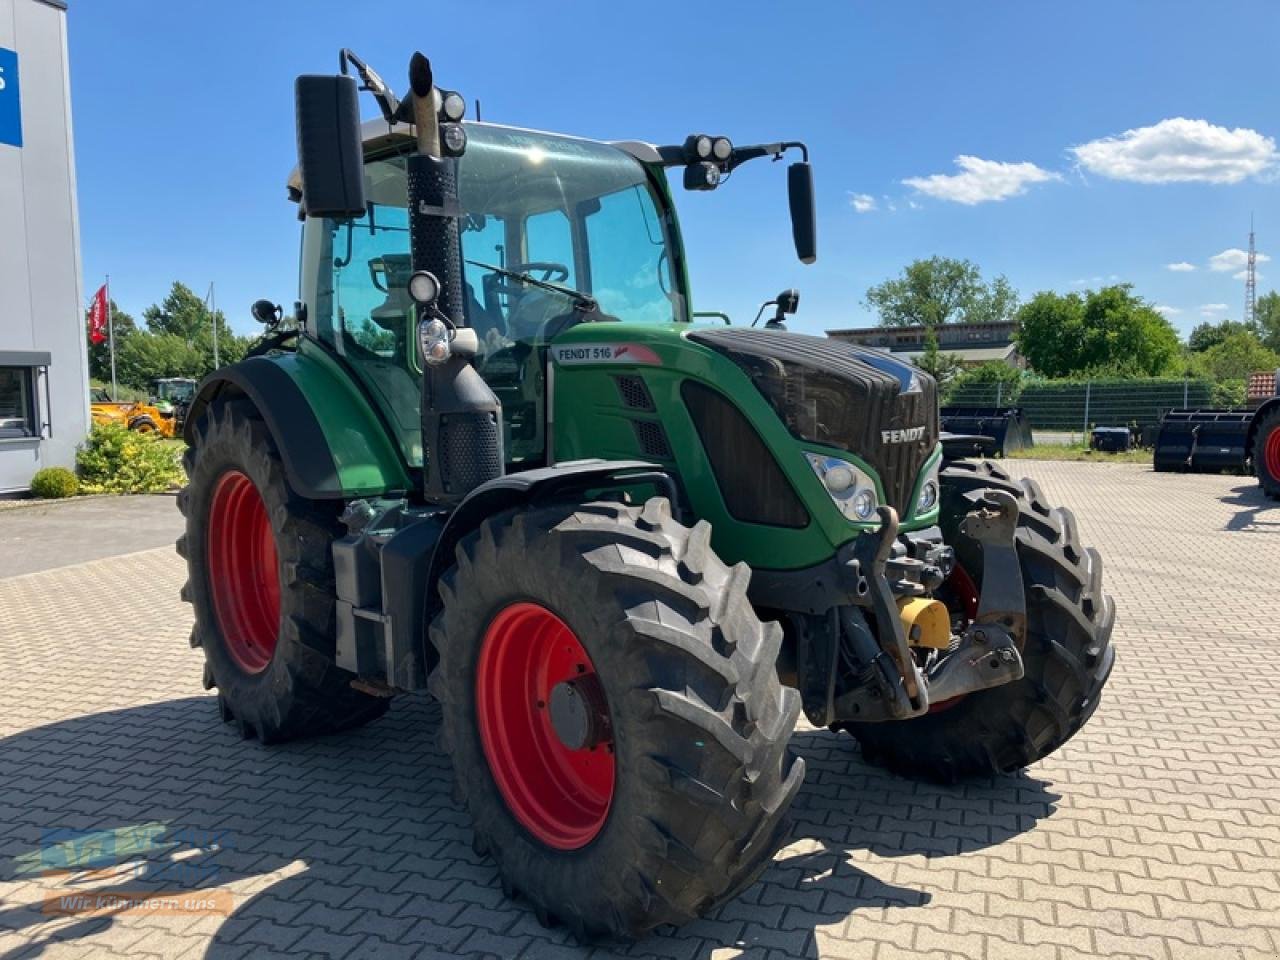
column 827, row 392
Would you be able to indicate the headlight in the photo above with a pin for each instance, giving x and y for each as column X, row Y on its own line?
column 928, row 498
column 851, row 490
column 864, row 504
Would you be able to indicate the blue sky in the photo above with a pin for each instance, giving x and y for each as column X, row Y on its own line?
column 1108, row 139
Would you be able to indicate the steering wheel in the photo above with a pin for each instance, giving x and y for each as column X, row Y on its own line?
column 550, row 271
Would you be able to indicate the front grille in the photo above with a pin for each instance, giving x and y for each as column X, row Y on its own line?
column 751, row 483
column 470, row 451
column 652, row 439
column 843, row 396
column 634, row 393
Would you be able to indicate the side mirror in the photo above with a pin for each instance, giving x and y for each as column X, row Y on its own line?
column 266, row 313
column 803, row 220
column 330, row 150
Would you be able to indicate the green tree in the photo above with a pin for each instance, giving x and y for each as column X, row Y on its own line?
column 1209, row 334
column 996, row 378
column 1267, row 318
column 1237, row 355
column 941, row 290
column 145, row 356
column 943, row 367
column 184, row 315
column 1109, row 330
column 123, row 327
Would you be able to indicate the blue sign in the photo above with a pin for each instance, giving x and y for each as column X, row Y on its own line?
column 10, row 105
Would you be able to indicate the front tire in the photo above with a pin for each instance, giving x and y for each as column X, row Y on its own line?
column 680, row 799
column 261, row 585
column 1067, row 654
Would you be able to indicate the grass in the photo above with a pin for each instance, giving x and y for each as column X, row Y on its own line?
column 1081, row 453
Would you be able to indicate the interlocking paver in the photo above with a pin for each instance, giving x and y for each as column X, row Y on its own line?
column 1155, row 833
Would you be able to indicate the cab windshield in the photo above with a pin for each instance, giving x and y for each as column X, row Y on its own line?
column 573, row 213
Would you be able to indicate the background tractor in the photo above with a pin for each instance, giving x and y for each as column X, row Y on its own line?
column 622, row 549
column 1235, row 439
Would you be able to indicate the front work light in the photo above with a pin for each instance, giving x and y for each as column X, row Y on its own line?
column 424, row 288
column 453, row 139
column 697, row 147
column 452, row 107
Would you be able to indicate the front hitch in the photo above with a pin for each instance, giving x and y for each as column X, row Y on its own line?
column 986, row 655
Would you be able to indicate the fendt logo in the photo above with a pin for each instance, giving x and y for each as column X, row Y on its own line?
column 902, row 436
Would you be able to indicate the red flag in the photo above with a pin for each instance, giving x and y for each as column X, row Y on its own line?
column 98, row 316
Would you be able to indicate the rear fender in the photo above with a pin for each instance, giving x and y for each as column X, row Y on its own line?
column 331, row 442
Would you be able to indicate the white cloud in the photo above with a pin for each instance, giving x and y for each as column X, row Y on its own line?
column 862, row 202
column 1209, row 309
column 1233, row 258
column 1180, row 267
column 981, row 181
column 1166, row 310
column 1179, row 150
column 1244, row 274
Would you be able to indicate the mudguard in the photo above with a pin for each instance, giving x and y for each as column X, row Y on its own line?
column 332, row 443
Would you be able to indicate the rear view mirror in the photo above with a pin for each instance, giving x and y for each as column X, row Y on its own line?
column 803, row 219
column 266, row 313
column 330, row 151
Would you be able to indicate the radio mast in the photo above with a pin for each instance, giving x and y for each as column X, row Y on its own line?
column 1251, row 280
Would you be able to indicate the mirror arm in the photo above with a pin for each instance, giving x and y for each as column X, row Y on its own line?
column 373, row 83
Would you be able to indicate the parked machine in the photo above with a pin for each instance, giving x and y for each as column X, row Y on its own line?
column 622, row 550
column 136, row 415
column 1217, row 440
column 1008, row 427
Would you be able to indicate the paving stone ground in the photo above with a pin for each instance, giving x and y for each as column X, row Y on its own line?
column 1155, row 833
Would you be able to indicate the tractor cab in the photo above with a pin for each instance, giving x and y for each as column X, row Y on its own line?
column 546, row 221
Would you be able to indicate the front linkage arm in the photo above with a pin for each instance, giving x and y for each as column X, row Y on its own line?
column 986, row 654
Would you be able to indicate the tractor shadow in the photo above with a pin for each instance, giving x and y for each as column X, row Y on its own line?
column 1255, row 510
column 350, row 845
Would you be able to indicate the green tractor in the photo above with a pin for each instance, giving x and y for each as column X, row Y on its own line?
column 624, row 550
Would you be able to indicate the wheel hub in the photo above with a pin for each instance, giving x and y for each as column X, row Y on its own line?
column 579, row 714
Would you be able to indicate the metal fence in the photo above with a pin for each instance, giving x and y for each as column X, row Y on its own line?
column 1065, row 411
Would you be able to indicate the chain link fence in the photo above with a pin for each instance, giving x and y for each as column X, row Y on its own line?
column 1065, row 411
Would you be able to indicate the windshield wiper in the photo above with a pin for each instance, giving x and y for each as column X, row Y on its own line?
column 583, row 301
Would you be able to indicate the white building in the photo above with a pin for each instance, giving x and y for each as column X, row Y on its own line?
column 44, row 401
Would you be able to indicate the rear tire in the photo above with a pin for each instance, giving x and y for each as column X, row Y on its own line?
column 702, row 775
column 272, row 659
column 1266, row 454
column 1067, row 653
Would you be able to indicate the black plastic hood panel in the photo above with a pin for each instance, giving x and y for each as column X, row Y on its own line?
column 864, row 401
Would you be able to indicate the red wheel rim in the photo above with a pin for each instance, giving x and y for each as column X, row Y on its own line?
column 1271, row 453
column 964, row 591
column 560, row 795
column 243, row 575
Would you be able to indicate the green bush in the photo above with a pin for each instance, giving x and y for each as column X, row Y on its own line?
column 115, row 459
column 54, row 483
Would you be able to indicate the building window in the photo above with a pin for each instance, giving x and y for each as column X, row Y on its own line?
column 17, row 403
